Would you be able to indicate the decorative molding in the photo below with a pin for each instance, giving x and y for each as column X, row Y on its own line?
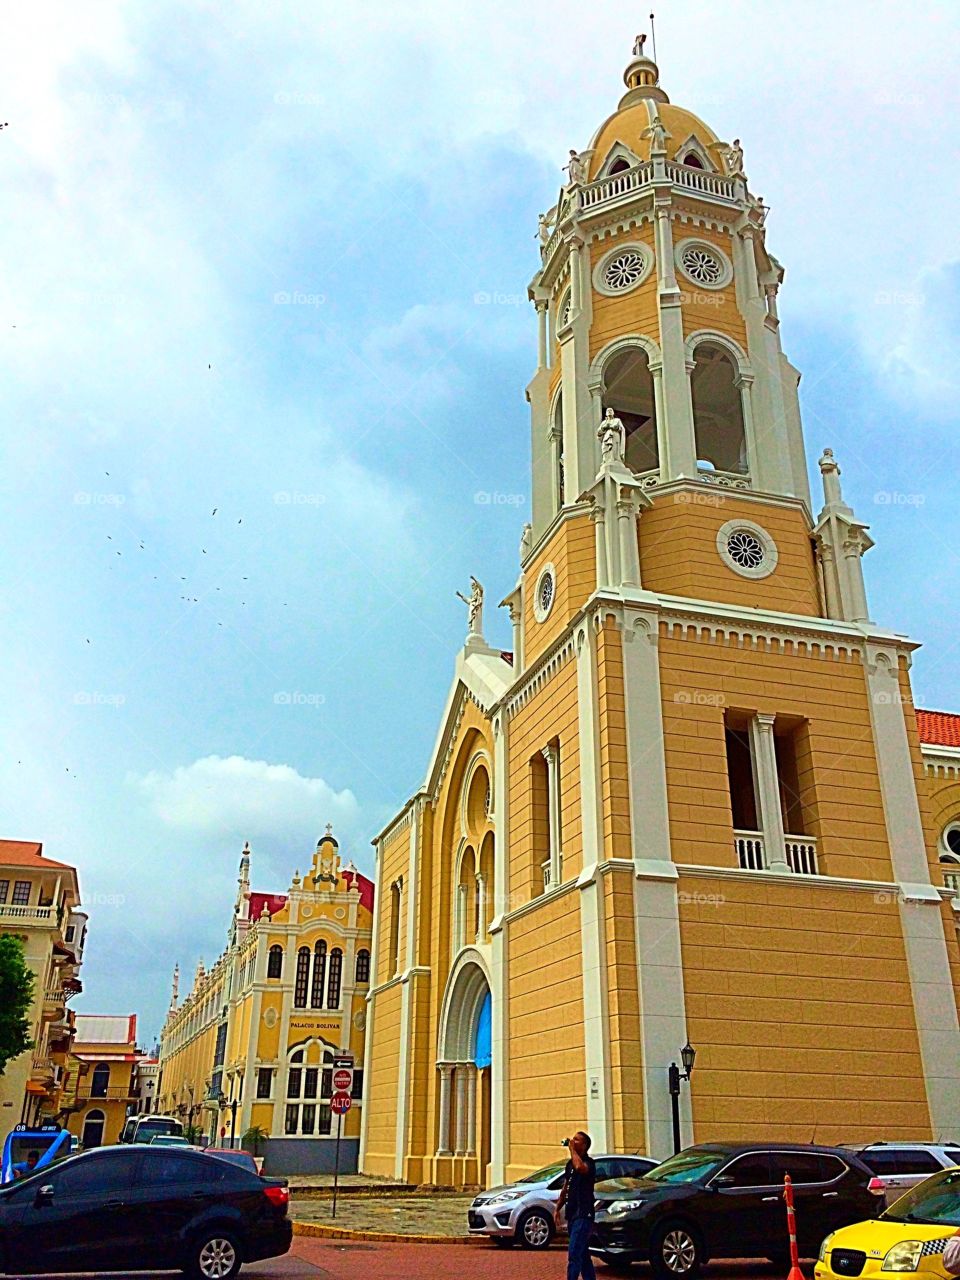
column 542, row 671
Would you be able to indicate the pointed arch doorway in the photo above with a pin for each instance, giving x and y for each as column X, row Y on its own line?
column 464, row 1105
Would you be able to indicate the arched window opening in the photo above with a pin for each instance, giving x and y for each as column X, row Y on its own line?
column 718, row 411
column 628, row 391
column 363, row 966
column 618, row 166
column 319, row 970
column 336, row 968
column 100, row 1081
column 486, row 904
column 275, row 962
column 693, row 160
column 465, row 919
column 302, row 978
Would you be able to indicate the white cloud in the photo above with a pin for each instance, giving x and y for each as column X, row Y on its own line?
column 235, row 796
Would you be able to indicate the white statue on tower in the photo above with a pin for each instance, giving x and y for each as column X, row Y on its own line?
column 544, row 228
column 526, row 541
column 613, row 437
column 734, row 157
column 575, row 169
column 474, row 603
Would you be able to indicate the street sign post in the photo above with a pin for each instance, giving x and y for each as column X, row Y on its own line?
column 340, row 1103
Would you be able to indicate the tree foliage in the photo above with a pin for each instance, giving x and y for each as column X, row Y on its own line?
column 16, row 997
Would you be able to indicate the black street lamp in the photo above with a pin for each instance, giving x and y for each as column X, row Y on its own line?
column 233, row 1124
column 688, row 1055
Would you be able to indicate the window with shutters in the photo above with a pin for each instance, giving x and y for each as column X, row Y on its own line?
column 319, row 969
column 333, row 991
column 275, row 962
column 303, row 976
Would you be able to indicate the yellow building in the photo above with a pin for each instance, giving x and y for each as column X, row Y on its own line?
column 103, row 1086
column 39, row 901
column 692, row 804
column 253, row 1043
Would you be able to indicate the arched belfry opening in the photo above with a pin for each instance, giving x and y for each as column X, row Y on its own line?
column 628, row 391
column 464, row 1068
column 718, row 420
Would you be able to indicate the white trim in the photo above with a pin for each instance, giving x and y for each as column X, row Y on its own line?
column 744, row 367
column 596, row 1025
column 539, row 612
column 771, row 555
column 697, row 242
column 624, row 246
column 626, row 342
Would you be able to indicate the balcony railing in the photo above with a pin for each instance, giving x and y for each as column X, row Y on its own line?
column 799, row 852
column 121, row 1092
column 26, row 914
column 723, row 479
column 547, row 870
column 952, row 881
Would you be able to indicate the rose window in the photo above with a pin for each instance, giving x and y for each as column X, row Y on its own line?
column 545, row 595
column 624, row 270
column 745, row 549
column 702, row 265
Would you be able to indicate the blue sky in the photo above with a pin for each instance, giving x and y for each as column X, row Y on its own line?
column 272, row 261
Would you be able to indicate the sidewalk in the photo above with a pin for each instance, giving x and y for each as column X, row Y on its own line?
column 432, row 1213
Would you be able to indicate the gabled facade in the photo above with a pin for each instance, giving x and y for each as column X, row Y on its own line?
column 692, row 804
column 252, row 1045
column 103, row 1087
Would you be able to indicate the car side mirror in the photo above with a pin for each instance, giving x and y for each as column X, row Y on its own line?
column 723, row 1180
column 44, row 1195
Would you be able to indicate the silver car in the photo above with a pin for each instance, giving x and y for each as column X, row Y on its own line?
column 902, row 1165
column 523, row 1211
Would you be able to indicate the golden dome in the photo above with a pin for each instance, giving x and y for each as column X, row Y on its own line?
column 638, row 109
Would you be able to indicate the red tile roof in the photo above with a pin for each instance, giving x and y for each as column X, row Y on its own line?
column 28, row 853
column 939, row 728
column 274, row 902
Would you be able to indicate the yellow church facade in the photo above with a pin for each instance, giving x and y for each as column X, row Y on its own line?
column 693, row 804
column 252, row 1046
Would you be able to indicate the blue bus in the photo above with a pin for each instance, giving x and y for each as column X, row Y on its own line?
column 28, row 1147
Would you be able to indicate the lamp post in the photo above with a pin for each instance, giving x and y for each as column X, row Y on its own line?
column 674, row 1075
column 233, row 1124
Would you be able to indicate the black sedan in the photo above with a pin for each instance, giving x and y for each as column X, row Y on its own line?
column 135, row 1208
column 725, row 1200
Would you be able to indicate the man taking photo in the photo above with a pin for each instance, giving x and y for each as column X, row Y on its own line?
column 576, row 1196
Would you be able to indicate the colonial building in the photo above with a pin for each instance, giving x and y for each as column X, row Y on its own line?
column 103, row 1085
column 692, row 805
column 252, row 1045
column 39, row 904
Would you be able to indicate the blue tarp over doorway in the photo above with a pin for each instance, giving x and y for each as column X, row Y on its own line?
column 482, row 1054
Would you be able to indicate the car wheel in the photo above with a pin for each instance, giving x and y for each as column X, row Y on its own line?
column 535, row 1230
column 675, row 1251
column 214, row 1256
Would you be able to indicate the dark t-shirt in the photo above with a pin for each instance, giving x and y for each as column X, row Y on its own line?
column 579, row 1202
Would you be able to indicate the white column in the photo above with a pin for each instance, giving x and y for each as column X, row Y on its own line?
column 446, row 1078
column 576, row 283
column 853, row 548
column 680, row 456
column 767, row 790
column 407, row 964
column 656, row 372
column 629, row 549
column 499, row 1078
column 551, row 755
column 598, row 515
column 460, row 1090
column 541, row 307
column 380, row 906
column 481, row 907
column 471, row 1103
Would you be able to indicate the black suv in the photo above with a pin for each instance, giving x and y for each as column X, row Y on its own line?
column 134, row 1208
column 725, row 1200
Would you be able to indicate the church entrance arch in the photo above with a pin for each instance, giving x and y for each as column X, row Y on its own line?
column 464, row 1066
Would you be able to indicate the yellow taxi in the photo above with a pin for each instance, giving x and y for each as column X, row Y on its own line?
column 909, row 1236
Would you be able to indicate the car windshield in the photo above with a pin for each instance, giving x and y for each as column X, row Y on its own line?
column 935, row 1200
column 694, row 1165
column 546, row 1173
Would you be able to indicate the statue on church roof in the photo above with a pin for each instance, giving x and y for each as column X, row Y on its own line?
column 544, row 228
column 657, row 133
column 612, row 436
column 734, row 157
column 526, row 540
column 474, row 603
column 575, row 169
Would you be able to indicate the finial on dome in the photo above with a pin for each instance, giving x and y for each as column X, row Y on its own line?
column 642, row 76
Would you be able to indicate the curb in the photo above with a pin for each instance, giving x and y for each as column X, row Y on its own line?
column 320, row 1230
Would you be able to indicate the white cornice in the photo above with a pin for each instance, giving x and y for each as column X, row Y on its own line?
column 940, row 761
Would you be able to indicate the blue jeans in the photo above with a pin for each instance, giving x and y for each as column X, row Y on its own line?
column 579, row 1262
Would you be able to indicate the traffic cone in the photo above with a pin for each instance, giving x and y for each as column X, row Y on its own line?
column 795, row 1271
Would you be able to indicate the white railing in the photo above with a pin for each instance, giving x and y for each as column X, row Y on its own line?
column 749, row 846
column 10, row 912
column 709, row 184
column 55, row 995
column 45, row 1066
column 546, row 868
column 725, row 479
column 800, row 852
column 619, row 184
column 952, row 881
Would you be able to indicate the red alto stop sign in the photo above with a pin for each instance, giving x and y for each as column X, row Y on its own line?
column 342, row 1080
column 340, row 1103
